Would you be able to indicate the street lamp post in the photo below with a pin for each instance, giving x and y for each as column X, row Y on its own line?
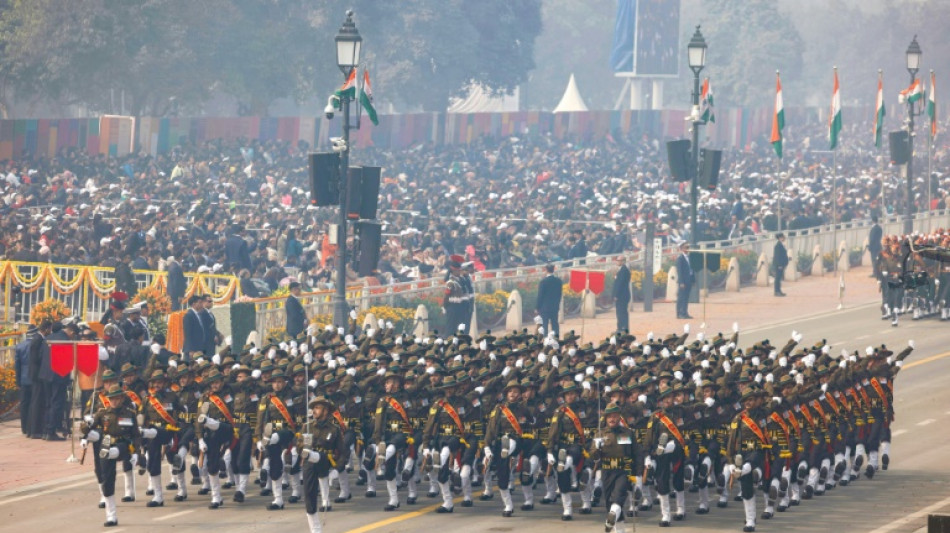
column 348, row 45
column 913, row 65
column 696, row 54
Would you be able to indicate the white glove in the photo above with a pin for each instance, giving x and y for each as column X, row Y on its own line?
column 611, row 368
column 735, row 327
column 678, row 375
column 284, row 346
column 461, row 327
column 271, row 354
column 704, row 363
column 800, row 379
column 853, row 359
column 487, row 452
column 519, row 363
column 254, row 351
column 911, row 344
column 537, row 320
column 92, row 436
column 797, row 337
column 541, row 330
column 723, row 350
column 726, row 366
column 396, row 357
column 399, row 340
column 607, row 389
column 686, row 328
column 589, row 370
column 83, row 443
column 304, row 348
column 351, row 372
column 705, row 348
column 579, row 377
column 650, row 336
column 701, row 336
column 113, row 453
column 260, row 445
column 824, row 387
column 869, row 351
column 710, row 401
column 551, row 459
column 332, row 364
column 480, row 390
column 353, row 314
column 492, row 356
column 586, row 385
column 348, row 339
column 149, row 433
column 312, row 384
column 172, row 363
column 235, row 366
column 227, row 341
column 758, row 378
column 783, row 361
column 899, row 364
column 506, row 371
column 340, row 331
column 216, row 359
column 310, row 455
column 202, row 445
column 274, row 438
column 843, row 363
column 381, row 371
column 773, row 354
column 256, row 373
column 308, row 359
column 665, row 354
column 642, row 398
column 598, row 443
column 647, row 350
column 371, row 332
column 826, row 349
column 155, row 348
column 542, row 358
column 776, row 400
column 737, row 360
column 103, row 353
column 756, row 360
column 769, row 378
column 571, row 352
column 483, row 345
column 613, row 340
column 554, row 361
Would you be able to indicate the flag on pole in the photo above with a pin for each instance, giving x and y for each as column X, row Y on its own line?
column 366, row 99
column 708, row 113
column 349, row 88
column 834, row 120
column 932, row 105
column 879, row 114
column 913, row 93
column 778, row 119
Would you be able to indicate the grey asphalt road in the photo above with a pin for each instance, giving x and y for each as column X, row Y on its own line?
column 917, row 482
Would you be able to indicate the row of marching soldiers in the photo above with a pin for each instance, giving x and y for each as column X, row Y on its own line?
column 625, row 423
column 914, row 276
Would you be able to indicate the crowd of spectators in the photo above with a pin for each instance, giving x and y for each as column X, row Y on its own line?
column 242, row 207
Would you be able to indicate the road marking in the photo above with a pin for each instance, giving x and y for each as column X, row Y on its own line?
column 926, row 422
column 400, row 518
column 181, row 513
column 862, row 337
column 898, row 433
column 904, row 520
column 44, row 492
column 927, row 360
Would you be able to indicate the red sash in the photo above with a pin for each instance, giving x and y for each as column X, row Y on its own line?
column 857, row 399
column 104, row 401
column 665, row 420
column 824, row 417
column 224, row 408
column 511, row 419
column 134, row 397
column 777, row 418
column 808, row 416
column 794, row 422
column 160, row 409
column 283, row 412
column 834, row 405
column 880, row 392
column 339, row 418
column 447, row 407
column 755, row 429
column 577, row 423
column 399, row 409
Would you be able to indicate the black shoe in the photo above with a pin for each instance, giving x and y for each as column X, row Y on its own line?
column 154, row 503
column 507, row 514
column 196, row 481
column 645, row 507
column 325, row 509
column 782, row 508
column 102, row 505
column 766, row 515
column 443, row 510
column 203, row 491
column 885, row 460
column 483, row 497
column 527, row 507
column 566, row 517
column 222, row 475
column 809, row 492
column 150, row 492
column 721, row 504
column 780, row 294
column 794, row 503
column 390, row 507
column 266, row 492
column 227, row 485
column 631, row 514
column 869, row 472
column 195, row 473
column 467, row 503
column 702, row 510
column 664, row 523
column 679, row 516
column 547, row 501
column 371, row 494
column 180, row 498
column 293, row 499
column 412, row 501
column 37, row 437
column 171, row 486
column 748, row 529
column 127, row 499
column 53, row 436
column 111, row 523
column 238, row 497
column 274, row 507
column 586, row 510
column 215, row 505
column 285, row 486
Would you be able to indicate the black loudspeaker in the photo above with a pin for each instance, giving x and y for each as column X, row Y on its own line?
column 677, row 153
column 369, row 192
column 324, row 178
column 708, row 260
column 354, row 182
column 709, row 162
column 370, row 234
column 899, row 142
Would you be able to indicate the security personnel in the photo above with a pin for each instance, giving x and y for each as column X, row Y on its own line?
column 392, row 432
column 455, row 300
column 215, row 429
column 320, row 448
column 160, row 431
column 615, row 451
column 116, row 430
column 276, row 430
column 504, row 438
column 749, row 447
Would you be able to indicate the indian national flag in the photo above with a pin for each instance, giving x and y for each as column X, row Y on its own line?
column 879, row 115
column 932, row 105
column 366, row 99
column 913, row 93
column 834, row 121
column 778, row 120
column 708, row 113
column 349, row 88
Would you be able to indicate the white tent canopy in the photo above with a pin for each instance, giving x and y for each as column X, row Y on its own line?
column 571, row 101
column 480, row 100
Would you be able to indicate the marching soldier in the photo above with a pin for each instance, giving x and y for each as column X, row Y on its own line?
column 320, row 450
column 504, row 437
column 246, row 400
column 392, row 431
column 749, row 446
column 566, row 439
column 615, row 451
column 160, row 431
column 276, row 429
column 444, row 435
column 215, row 430
column 665, row 438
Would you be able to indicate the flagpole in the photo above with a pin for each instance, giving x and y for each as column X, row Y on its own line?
column 880, row 78
column 930, row 142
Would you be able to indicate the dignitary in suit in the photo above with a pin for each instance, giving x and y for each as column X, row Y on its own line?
column 296, row 315
column 194, row 328
column 686, row 279
column 621, row 294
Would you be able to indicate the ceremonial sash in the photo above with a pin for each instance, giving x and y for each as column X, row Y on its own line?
column 665, row 420
column 577, row 423
column 339, row 418
column 160, row 409
column 511, row 419
column 224, row 408
column 867, row 399
column 781, row 423
column 834, row 405
column 821, row 411
column 104, row 401
column 402, row 412
column 857, row 399
column 808, row 416
column 755, row 429
column 794, row 422
column 134, row 397
column 283, row 411
column 880, row 392
column 447, row 407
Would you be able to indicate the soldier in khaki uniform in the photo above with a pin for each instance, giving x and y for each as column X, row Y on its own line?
column 615, row 451
column 320, row 449
column 160, row 430
column 215, row 429
column 276, row 430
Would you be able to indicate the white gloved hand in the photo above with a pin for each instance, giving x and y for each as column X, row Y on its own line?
column 869, row 351
column 826, row 349
column 686, row 328
column 578, row 377
column 571, row 352
column 492, row 356
column 607, row 389
column 348, row 339
column 260, row 445
column 149, row 433
column 758, row 378
column 773, row 354
column 92, row 436
column 274, row 438
column 271, row 354
column 852, row 358
column 776, row 400
column 799, row 379
column 235, row 366
column 737, row 360
column 310, row 455
column 308, row 359
column 705, row 348
column 598, row 443
column 351, row 372
column 353, row 314
column 542, row 358
column 519, row 363
column 586, row 385
column 371, row 332
column 735, row 327
column 340, row 331
column 256, row 373
column 399, row 340
column 83, row 443
column 650, row 336
column 483, row 345
column 824, row 387
column 486, row 451
column 642, row 398
column 155, row 348
column 380, row 371
column 700, row 336
column 647, row 350
column 710, row 401
column 843, row 363
column 899, row 364
column 911, row 344
column 756, row 360
column 396, row 357
column 172, row 363
column 212, row 423
column 506, row 371
column 332, row 364
column 216, row 359
column 312, row 384
column 554, row 361
column 704, row 363
column 613, row 340
column 783, row 361
column 589, row 370
column 769, row 377
column 541, row 330
column 480, row 390
column 797, row 337
column 202, row 445
column 551, row 459
column 665, row 354
column 726, row 366
column 678, row 375
column 103, row 353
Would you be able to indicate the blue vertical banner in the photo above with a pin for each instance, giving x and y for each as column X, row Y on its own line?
column 621, row 54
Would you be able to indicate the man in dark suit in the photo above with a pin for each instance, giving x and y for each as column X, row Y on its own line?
column 549, row 301
column 874, row 246
column 684, row 272
column 24, row 381
column 622, row 295
column 213, row 337
column 40, row 367
column 194, row 330
column 176, row 283
column 296, row 315
column 779, row 261
column 236, row 249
